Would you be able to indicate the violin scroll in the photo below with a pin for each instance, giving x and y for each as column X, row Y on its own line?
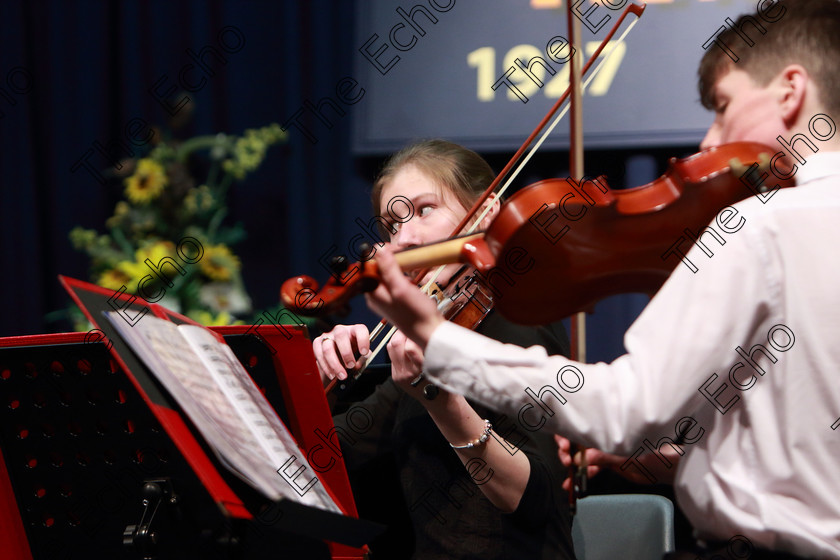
column 304, row 295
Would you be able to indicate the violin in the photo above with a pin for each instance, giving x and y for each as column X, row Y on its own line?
column 558, row 246
column 463, row 300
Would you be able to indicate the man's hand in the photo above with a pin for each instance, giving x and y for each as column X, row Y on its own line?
column 336, row 351
column 402, row 303
column 596, row 461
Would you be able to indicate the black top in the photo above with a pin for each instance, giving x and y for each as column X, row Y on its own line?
column 450, row 515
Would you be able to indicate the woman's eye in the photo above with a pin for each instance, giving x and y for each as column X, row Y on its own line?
column 425, row 210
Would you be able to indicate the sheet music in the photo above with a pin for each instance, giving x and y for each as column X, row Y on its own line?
column 264, row 426
column 221, row 399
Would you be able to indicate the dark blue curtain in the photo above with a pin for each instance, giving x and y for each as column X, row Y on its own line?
column 73, row 75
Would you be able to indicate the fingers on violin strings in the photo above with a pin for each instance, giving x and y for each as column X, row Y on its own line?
column 332, row 347
column 379, row 300
column 389, row 271
column 346, row 352
column 361, row 339
column 327, row 357
column 318, row 350
column 353, row 343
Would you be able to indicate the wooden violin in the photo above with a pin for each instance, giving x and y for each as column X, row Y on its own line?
column 558, row 246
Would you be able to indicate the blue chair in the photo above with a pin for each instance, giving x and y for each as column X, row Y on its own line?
column 632, row 526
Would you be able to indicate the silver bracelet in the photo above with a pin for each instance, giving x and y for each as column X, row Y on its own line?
column 484, row 437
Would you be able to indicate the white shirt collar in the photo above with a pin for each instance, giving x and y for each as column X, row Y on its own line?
column 817, row 166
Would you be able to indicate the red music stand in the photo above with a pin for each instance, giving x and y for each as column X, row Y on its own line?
column 86, row 435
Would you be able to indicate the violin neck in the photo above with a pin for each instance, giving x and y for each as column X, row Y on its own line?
column 435, row 254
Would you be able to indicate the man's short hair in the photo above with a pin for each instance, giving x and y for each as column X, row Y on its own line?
column 805, row 32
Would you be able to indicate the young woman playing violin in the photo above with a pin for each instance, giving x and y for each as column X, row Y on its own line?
column 472, row 491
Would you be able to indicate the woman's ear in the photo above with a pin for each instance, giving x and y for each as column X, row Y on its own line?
column 495, row 204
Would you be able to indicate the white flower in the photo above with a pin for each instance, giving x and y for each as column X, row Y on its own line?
column 172, row 303
column 224, row 296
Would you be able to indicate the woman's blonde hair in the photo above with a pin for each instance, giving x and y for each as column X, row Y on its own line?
column 461, row 171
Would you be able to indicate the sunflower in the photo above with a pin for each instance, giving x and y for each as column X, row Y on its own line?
column 156, row 252
column 146, row 183
column 114, row 279
column 208, row 320
column 219, row 263
column 124, row 275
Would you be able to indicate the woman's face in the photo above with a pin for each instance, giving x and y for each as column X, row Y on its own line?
column 435, row 212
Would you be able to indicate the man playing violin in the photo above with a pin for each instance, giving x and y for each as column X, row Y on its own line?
column 740, row 358
column 473, row 491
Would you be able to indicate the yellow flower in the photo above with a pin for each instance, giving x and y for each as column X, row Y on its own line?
column 126, row 274
column 206, row 318
column 121, row 209
column 156, row 252
column 121, row 212
column 160, row 252
column 146, row 183
column 114, row 279
column 218, row 263
column 82, row 238
column 198, row 199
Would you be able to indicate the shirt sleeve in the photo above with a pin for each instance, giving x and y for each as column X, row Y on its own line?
column 686, row 335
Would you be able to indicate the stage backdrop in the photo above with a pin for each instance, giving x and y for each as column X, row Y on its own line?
column 484, row 76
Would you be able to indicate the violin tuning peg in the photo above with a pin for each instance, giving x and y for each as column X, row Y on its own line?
column 366, row 250
column 764, row 161
column 339, row 264
column 739, row 169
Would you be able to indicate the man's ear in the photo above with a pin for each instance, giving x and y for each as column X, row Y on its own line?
column 792, row 85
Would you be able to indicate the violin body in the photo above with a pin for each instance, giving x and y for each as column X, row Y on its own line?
column 466, row 301
column 557, row 247
column 563, row 247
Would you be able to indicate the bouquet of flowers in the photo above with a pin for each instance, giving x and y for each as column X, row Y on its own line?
column 176, row 192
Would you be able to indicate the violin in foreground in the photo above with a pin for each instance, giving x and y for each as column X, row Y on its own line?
column 558, row 246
